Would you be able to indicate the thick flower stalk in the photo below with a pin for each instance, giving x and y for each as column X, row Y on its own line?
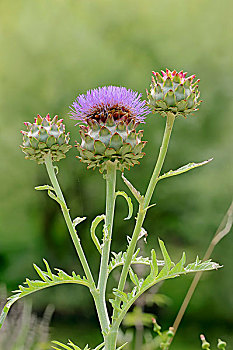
column 173, row 92
column 45, row 136
column 109, row 117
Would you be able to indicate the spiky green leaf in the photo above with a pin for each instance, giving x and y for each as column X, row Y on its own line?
column 184, row 169
column 48, row 279
column 118, row 259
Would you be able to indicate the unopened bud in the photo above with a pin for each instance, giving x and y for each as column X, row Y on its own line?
column 157, row 327
column 170, row 332
column 221, row 344
column 43, row 137
column 205, row 344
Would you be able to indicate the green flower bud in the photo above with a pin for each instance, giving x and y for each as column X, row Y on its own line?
column 43, row 137
column 173, row 92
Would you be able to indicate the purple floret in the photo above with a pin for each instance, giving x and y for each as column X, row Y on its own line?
column 105, row 98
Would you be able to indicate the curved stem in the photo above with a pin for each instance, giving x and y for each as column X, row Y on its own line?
column 144, row 206
column 110, row 206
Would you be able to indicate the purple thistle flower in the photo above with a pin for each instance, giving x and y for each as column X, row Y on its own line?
column 118, row 101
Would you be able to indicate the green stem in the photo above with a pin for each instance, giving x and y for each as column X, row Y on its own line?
column 160, row 160
column 110, row 340
column 76, row 241
column 110, row 206
column 143, row 207
column 73, row 233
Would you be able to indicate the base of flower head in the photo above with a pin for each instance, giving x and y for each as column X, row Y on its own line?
column 163, row 111
column 123, row 160
column 57, row 152
column 114, row 140
column 43, row 137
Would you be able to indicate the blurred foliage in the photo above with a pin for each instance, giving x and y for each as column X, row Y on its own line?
column 23, row 330
column 52, row 50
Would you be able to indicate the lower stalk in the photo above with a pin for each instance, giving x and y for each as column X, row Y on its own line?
column 109, row 213
column 144, row 206
column 76, row 240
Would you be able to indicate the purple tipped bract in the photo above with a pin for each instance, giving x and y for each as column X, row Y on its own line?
column 98, row 103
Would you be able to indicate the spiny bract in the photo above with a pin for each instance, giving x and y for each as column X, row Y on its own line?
column 43, row 137
column 111, row 115
column 173, row 92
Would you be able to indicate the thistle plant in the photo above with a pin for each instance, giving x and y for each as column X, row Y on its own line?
column 108, row 119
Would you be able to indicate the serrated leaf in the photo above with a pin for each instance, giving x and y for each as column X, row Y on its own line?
column 48, row 280
column 164, row 274
column 135, row 192
column 179, row 267
column 121, row 295
column 184, row 169
column 167, row 259
column 153, row 270
column 94, row 225
column 154, row 264
column 115, row 305
column 119, row 259
column 198, row 265
column 128, row 199
column 133, row 277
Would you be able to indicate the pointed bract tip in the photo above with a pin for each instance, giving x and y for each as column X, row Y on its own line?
column 153, row 80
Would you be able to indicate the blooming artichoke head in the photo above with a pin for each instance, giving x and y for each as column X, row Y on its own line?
column 45, row 136
column 173, row 92
column 109, row 117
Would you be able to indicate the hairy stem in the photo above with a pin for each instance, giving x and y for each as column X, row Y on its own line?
column 144, row 206
column 110, row 206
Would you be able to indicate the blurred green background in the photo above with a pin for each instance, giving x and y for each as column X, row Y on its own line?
column 52, row 50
